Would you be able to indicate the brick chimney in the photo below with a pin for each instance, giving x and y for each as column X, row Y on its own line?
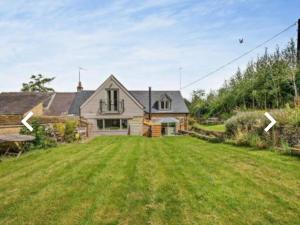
column 79, row 87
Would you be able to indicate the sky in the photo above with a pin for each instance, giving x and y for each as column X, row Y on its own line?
column 143, row 43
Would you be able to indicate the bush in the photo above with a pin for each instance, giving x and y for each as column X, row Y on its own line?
column 67, row 131
column 257, row 141
column 60, row 128
column 44, row 136
column 251, row 139
column 246, row 121
column 240, row 138
column 191, row 121
column 285, row 148
column 248, row 127
column 70, row 131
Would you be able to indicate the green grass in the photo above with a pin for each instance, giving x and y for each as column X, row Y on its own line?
column 137, row 180
column 218, row 127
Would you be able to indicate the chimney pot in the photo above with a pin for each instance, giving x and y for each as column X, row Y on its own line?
column 79, row 87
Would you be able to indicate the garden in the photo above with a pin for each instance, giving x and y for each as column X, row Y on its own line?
column 137, row 180
column 47, row 132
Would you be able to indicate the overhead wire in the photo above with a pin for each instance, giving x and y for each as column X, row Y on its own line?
column 239, row 57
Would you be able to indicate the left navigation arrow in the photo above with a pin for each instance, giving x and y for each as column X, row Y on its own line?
column 24, row 121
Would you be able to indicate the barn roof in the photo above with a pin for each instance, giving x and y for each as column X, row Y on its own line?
column 60, row 103
column 19, row 103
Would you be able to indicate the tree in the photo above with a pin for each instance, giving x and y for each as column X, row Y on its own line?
column 290, row 55
column 270, row 81
column 197, row 102
column 37, row 84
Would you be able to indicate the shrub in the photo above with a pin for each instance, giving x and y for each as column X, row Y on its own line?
column 250, row 126
column 254, row 140
column 43, row 135
column 240, row 138
column 60, row 128
column 70, row 131
column 285, row 148
column 245, row 121
column 290, row 134
column 67, row 131
column 191, row 121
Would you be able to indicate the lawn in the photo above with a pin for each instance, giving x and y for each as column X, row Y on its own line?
column 137, row 180
column 218, row 127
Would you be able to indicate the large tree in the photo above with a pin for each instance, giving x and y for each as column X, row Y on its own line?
column 270, row 81
column 37, row 84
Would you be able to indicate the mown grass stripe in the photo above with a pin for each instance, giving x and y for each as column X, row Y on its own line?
column 136, row 180
column 55, row 177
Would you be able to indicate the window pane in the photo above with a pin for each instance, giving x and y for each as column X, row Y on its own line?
column 100, row 124
column 167, row 104
column 115, row 100
column 109, row 100
column 124, row 124
column 162, row 105
column 112, row 124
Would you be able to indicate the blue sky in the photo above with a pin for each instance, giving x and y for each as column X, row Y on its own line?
column 143, row 43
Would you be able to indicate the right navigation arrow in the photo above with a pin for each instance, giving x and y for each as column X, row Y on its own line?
column 273, row 121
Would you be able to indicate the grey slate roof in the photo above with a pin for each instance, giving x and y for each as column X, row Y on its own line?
column 19, row 103
column 70, row 102
column 79, row 99
column 177, row 104
column 60, row 103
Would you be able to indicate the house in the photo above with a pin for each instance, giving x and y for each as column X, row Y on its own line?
column 112, row 109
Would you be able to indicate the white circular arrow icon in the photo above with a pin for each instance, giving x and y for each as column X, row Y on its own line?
column 24, row 121
column 273, row 121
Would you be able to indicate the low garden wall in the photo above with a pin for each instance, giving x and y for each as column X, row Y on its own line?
column 217, row 134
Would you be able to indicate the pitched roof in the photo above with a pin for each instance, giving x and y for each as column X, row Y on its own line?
column 79, row 99
column 120, row 85
column 60, row 103
column 19, row 103
column 178, row 104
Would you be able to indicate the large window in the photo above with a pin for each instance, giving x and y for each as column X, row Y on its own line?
column 112, row 100
column 112, row 124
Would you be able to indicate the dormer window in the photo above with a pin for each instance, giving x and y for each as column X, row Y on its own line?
column 165, row 103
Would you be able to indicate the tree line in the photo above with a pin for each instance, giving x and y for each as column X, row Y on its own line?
column 271, row 81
